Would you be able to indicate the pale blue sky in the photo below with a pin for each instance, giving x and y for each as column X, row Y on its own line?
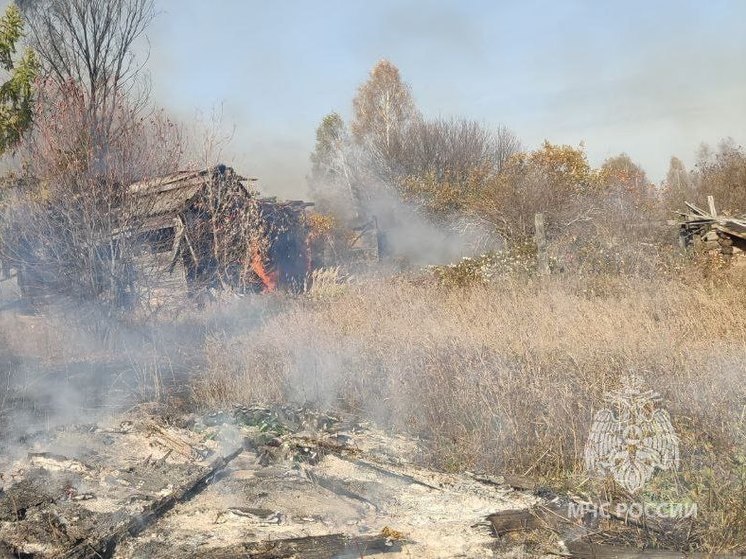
column 652, row 79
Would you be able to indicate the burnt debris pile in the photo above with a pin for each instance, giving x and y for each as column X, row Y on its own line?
column 214, row 224
column 714, row 233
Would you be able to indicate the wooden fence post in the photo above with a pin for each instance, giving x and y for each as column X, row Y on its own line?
column 542, row 259
column 711, row 205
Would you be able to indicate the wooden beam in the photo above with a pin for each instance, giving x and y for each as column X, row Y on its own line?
column 542, row 259
column 337, row 546
column 122, row 525
column 551, row 516
column 507, row 521
column 179, row 233
column 584, row 550
column 711, row 205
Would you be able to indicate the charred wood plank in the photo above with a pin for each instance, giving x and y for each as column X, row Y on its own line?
column 339, row 487
column 551, row 516
column 520, row 483
column 507, row 521
column 331, row 546
column 121, row 525
column 572, row 520
column 585, row 550
column 733, row 228
column 36, row 490
column 390, row 473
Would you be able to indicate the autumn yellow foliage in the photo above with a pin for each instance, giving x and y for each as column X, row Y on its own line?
column 320, row 225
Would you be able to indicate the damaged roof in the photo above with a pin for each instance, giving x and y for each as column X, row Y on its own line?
column 167, row 195
column 155, row 202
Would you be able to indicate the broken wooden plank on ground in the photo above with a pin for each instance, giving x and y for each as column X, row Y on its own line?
column 522, row 483
column 575, row 530
column 551, row 516
column 124, row 525
column 170, row 441
column 514, row 481
column 340, row 487
column 585, row 550
column 507, row 521
column 390, row 473
column 329, row 546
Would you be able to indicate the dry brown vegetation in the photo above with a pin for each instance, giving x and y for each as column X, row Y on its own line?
column 502, row 377
column 495, row 369
column 505, row 378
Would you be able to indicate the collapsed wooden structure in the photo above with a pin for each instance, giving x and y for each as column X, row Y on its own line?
column 210, row 221
column 222, row 232
column 713, row 232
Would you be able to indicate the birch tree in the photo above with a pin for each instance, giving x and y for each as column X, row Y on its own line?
column 382, row 110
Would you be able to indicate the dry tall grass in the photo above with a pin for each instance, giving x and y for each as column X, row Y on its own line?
column 503, row 377
column 507, row 377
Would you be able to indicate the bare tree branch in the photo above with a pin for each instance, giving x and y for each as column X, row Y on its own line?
column 90, row 43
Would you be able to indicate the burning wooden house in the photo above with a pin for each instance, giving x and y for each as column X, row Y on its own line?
column 712, row 232
column 111, row 241
column 214, row 224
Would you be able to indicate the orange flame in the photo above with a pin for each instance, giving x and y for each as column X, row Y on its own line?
column 269, row 278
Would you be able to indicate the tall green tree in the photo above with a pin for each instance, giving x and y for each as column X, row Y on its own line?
column 16, row 91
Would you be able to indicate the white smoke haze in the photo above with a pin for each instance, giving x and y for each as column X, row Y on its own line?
column 70, row 362
column 232, row 129
column 655, row 87
column 651, row 86
column 410, row 234
column 500, row 376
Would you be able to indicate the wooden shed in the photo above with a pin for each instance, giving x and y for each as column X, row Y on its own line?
column 223, row 233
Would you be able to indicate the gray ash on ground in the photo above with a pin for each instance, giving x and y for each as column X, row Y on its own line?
column 273, row 482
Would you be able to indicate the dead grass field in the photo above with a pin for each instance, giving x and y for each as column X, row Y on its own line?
column 506, row 378
column 499, row 378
